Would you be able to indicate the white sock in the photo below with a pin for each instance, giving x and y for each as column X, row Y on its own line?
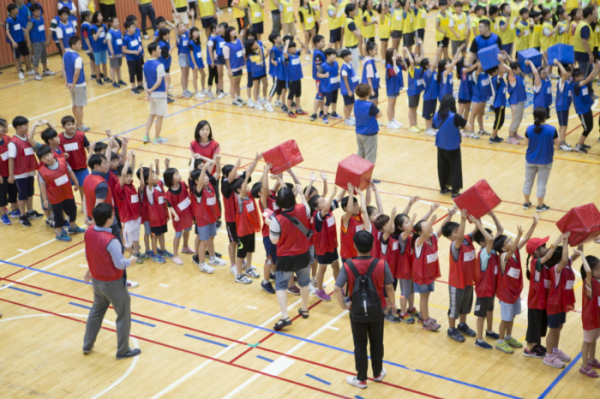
column 508, row 337
column 212, row 258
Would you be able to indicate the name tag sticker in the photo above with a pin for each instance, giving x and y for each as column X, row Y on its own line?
column 469, row 256
column 354, row 78
column 290, row 9
column 485, row 82
column 275, row 207
column 584, row 91
column 395, row 246
column 569, row 285
column 547, row 284
column 211, row 201
column 161, row 200
column 134, row 43
column 398, row 17
column 102, row 34
column 135, row 199
column 514, row 273
column 461, row 26
column 496, row 269
column 432, row 257
column 41, row 28
column 199, row 54
column 221, row 44
column 28, row 151
column 359, row 228
column 17, row 26
column 330, row 222
column 61, row 180
column 258, row 14
column 71, row 147
column 239, row 54
column 68, row 31
column 549, row 91
column 296, row 61
column 119, row 42
column 184, row 204
column 4, row 156
column 334, row 80
column 526, row 33
column 250, row 206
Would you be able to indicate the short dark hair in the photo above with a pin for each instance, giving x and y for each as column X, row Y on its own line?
column 576, row 73
column 381, row 221
column 256, row 189
column 143, row 172
column 48, row 134
column 499, row 243
column 285, row 198
column 19, row 120
column 101, row 213
column 120, row 170
column 67, row 119
column 448, row 228
column 152, row 47
column 587, row 12
column 195, row 175
column 160, row 20
column 344, row 202
column 478, row 236
column 345, row 53
column 99, row 147
column 35, row 7
column 11, row 7
column 493, row 10
column 96, row 159
column 227, row 35
column 330, row 51
column 486, row 22
column 523, row 10
column 74, row 40
column 273, row 36
column 128, row 24
column 64, row 10
column 349, row 8
column 316, row 39
column 42, row 151
column 363, row 241
column 168, row 176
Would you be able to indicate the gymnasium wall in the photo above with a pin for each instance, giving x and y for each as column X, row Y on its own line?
column 124, row 8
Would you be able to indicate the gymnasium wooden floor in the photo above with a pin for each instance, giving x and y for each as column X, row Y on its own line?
column 204, row 336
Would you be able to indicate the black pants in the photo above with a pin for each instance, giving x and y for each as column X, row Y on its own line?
column 108, row 11
column 147, row 11
column 587, row 122
column 537, row 325
column 136, row 71
column 499, row 121
column 363, row 334
column 213, row 75
column 450, row 169
column 69, row 207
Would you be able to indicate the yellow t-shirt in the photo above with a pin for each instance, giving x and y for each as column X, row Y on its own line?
column 421, row 19
column 474, row 26
column 571, row 4
column 178, row 3
column 256, row 12
column 272, row 6
column 510, row 34
column 409, row 21
column 398, row 20
column 495, row 26
column 546, row 41
column 444, row 21
column 237, row 13
column 578, row 44
column 385, row 26
column 369, row 30
column 524, row 41
column 336, row 21
column 110, row 2
column 316, row 6
column 459, row 22
column 349, row 39
column 207, row 8
column 308, row 16
column 562, row 33
column 535, row 38
column 288, row 11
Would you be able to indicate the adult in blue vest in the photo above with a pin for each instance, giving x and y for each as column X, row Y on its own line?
column 447, row 140
column 541, row 139
column 75, row 77
column 485, row 39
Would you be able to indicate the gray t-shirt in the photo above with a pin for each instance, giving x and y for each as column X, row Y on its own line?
column 343, row 277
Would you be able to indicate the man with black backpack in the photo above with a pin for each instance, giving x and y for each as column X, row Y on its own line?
column 369, row 282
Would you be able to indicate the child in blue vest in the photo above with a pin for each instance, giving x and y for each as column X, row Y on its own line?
column 482, row 92
column 196, row 62
column 294, row 77
column 465, row 90
column 100, row 48
column 183, row 54
column 393, row 83
column 86, row 37
column 348, row 82
column 64, row 29
column 366, row 114
column 38, row 41
column 15, row 36
column 542, row 87
column 213, row 75
column 218, row 57
column 370, row 75
column 583, row 102
column 317, row 60
column 563, row 103
column 431, row 80
column 234, row 58
column 516, row 98
column 499, row 99
column 134, row 55
column 75, row 77
column 162, row 40
column 414, row 89
column 277, row 70
column 328, row 73
column 114, row 40
column 156, row 92
column 257, row 64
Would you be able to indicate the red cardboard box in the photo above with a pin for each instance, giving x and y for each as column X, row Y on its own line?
column 478, row 200
column 283, row 157
column 355, row 170
column 583, row 222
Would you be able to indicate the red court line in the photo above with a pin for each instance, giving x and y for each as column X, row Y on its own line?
column 223, row 337
column 46, row 258
column 184, row 350
column 577, row 127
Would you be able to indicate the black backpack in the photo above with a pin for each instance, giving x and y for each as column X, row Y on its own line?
column 366, row 304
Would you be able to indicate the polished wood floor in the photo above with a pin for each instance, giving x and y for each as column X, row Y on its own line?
column 204, row 336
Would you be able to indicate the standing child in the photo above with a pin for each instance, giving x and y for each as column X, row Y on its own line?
column 134, row 55
column 328, row 72
column 415, row 87
column 130, row 212
column 8, row 191
column 86, row 39
column 523, row 31
column 183, row 54
column 590, row 314
column 233, row 53
column 583, row 101
column 348, row 83
column 542, row 87
column 38, row 41
column 442, row 22
column 370, row 76
column 335, row 19
column 74, row 143
column 385, row 26
column 516, row 98
column 482, row 91
column 563, row 103
column 499, row 99
column 267, row 199
column 100, row 48
column 156, row 93
column 394, row 83
column 213, row 75
column 74, row 75
column 465, row 91
column 367, row 127
column 15, row 36
column 354, row 219
column 397, row 24
column 218, row 57
column 114, row 39
column 431, row 92
column 294, row 78
column 230, row 182
column 180, row 209
column 277, row 70
column 164, row 57
column 258, row 73
column 317, row 59
column 195, row 62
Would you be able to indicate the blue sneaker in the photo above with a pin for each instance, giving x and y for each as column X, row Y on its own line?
column 15, row 214
column 63, row 237
column 140, row 258
column 455, row 335
column 76, row 230
column 492, row 335
column 483, row 345
column 165, row 254
column 325, row 120
column 464, row 328
column 334, row 115
column 158, row 259
column 147, row 255
column 5, row 220
column 67, row 224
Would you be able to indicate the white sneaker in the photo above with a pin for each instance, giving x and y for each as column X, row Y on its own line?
column 269, row 107
column 380, row 377
column 221, row 95
column 233, row 269
column 277, row 103
column 349, row 122
column 238, row 104
column 250, row 103
column 259, row 107
column 32, row 72
column 312, row 289
column 170, row 86
column 132, row 284
column 553, row 76
column 392, row 125
column 430, row 132
column 229, row 10
column 204, row 268
column 38, row 77
column 307, row 57
column 397, row 123
column 251, row 273
column 217, row 262
column 21, row 76
column 352, row 380
column 565, row 147
column 200, row 95
column 239, row 100
column 262, row 101
column 242, row 279
column 146, row 37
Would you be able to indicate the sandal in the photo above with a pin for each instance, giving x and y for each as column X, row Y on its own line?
column 303, row 313
column 587, row 371
column 282, row 323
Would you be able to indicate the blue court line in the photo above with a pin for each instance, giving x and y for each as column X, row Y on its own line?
column 560, row 376
column 143, row 322
column 358, row 397
column 352, row 353
column 25, row 291
column 318, row 379
column 81, row 281
column 206, row 340
column 264, row 358
column 79, row 305
column 276, row 332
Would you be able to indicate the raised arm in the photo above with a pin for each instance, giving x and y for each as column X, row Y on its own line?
column 378, row 199
column 432, row 209
column 514, row 247
column 499, row 227
column 363, row 212
column 411, row 202
column 523, row 242
column 461, row 229
column 324, row 178
column 328, row 201
column 425, row 230
column 489, row 240
column 587, row 268
column 349, row 207
column 264, row 191
column 564, row 260
column 293, row 176
column 389, row 226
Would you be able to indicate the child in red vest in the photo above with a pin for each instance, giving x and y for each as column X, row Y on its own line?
column 384, row 225
column 590, row 314
column 539, row 284
column 74, row 143
column 355, row 219
column 205, row 209
column 461, row 276
column 130, row 210
column 510, row 284
column 155, row 214
column 230, row 182
column 311, row 191
column 8, row 191
column 247, row 225
column 180, row 208
column 57, row 194
column 560, row 300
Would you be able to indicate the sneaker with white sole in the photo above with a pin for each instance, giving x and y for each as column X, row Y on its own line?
column 414, row 129
column 259, row 107
column 307, row 57
column 242, row 279
column 132, row 284
column 250, row 103
column 322, row 295
column 269, row 107
column 352, row 380
column 553, row 361
column 48, row 72
column 220, row 95
column 251, row 273
column 430, row 131
column 565, row 147
column 474, row 136
column 379, row 378
column 392, row 125
column 349, row 122
column 562, row 356
column 204, row 268
column 397, row 123
column 200, row 95
column 217, row 262
column 277, row 103
column 37, row 77
column 21, row 76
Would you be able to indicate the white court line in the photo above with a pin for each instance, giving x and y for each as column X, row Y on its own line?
column 30, row 250
column 82, row 265
column 164, row 285
column 251, row 307
column 287, row 364
column 21, row 250
column 333, row 328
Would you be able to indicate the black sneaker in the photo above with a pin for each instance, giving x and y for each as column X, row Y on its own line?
column 526, row 205
column 284, row 108
column 196, row 260
column 375, row 181
column 218, row 255
column 170, row 100
column 99, row 81
column 267, row 287
column 445, row 191
column 464, row 328
column 313, row 117
column 34, row 215
column 93, row 77
column 140, row 88
column 542, row 208
column 454, row 195
column 50, row 223
column 135, row 91
column 392, row 318
column 25, row 221
column 102, row 76
column 495, row 140
column 129, row 353
column 581, row 149
column 219, row 223
column 107, row 80
column 320, row 114
column 272, row 276
column 293, row 104
column 587, row 147
column 455, row 335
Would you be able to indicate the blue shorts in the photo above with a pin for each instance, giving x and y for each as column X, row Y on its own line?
column 25, row 188
column 155, row 231
column 563, row 118
column 80, row 174
column 178, row 234
column 207, row 22
column 283, row 278
column 376, row 96
column 237, row 73
column 220, row 60
column 206, row 232
column 328, row 258
column 100, row 57
column 258, row 27
column 429, row 109
column 556, row 320
column 349, row 100
column 508, row 311
column 508, row 48
column 270, row 250
column 423, row 288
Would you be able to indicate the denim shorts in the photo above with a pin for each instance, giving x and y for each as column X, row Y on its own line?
column 100, row 57
column 178, row 234
column 283, row 278
column 81, row 174
column 423, row 288
column 206, row 232
column 509, row 310
column 407, row 288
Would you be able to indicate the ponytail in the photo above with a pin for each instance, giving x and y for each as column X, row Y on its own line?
column 539, row 117
column 527, row 272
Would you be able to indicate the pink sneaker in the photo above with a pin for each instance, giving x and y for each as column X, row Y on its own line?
column 594, row 363
column 177, row 261
column 518, row 137
column 588, row 371
column 322, row 295
column 430, row 325
column 512, row 140
column 553, row 361
column 561, row 356
column 187, row 250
